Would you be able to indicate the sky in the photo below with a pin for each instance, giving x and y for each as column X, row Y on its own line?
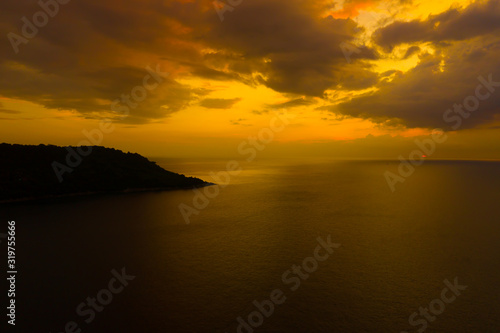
column 196, row 78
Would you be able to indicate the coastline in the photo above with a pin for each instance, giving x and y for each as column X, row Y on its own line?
column 56, row 197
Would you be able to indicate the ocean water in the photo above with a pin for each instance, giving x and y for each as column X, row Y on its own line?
column 393, row 253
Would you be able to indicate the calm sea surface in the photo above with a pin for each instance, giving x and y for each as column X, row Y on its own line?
column 396, row 250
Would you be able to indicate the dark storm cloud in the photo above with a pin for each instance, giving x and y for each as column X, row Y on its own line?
column 421, row 96
column 92, row 52
column 478, row 19
column 302, row 52
column 91, row 92
column 87, row 56
column 411, row 51
column 467, row 46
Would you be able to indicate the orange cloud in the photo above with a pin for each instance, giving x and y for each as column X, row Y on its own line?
column 351, row 8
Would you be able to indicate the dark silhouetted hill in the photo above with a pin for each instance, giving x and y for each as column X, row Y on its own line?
column 27, row 172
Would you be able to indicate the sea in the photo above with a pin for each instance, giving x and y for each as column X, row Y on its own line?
column 280, row 245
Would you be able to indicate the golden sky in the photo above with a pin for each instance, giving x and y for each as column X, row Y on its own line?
column 362, row 79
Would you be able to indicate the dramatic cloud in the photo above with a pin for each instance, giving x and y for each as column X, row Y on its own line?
column 87, row 56
column 421, row 96
column 292, row 46
column 478, row 19
column 92, row 52
column 466, row 46
column 411, row 51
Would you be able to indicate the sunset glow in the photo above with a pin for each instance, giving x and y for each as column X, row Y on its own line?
column 404, row 65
